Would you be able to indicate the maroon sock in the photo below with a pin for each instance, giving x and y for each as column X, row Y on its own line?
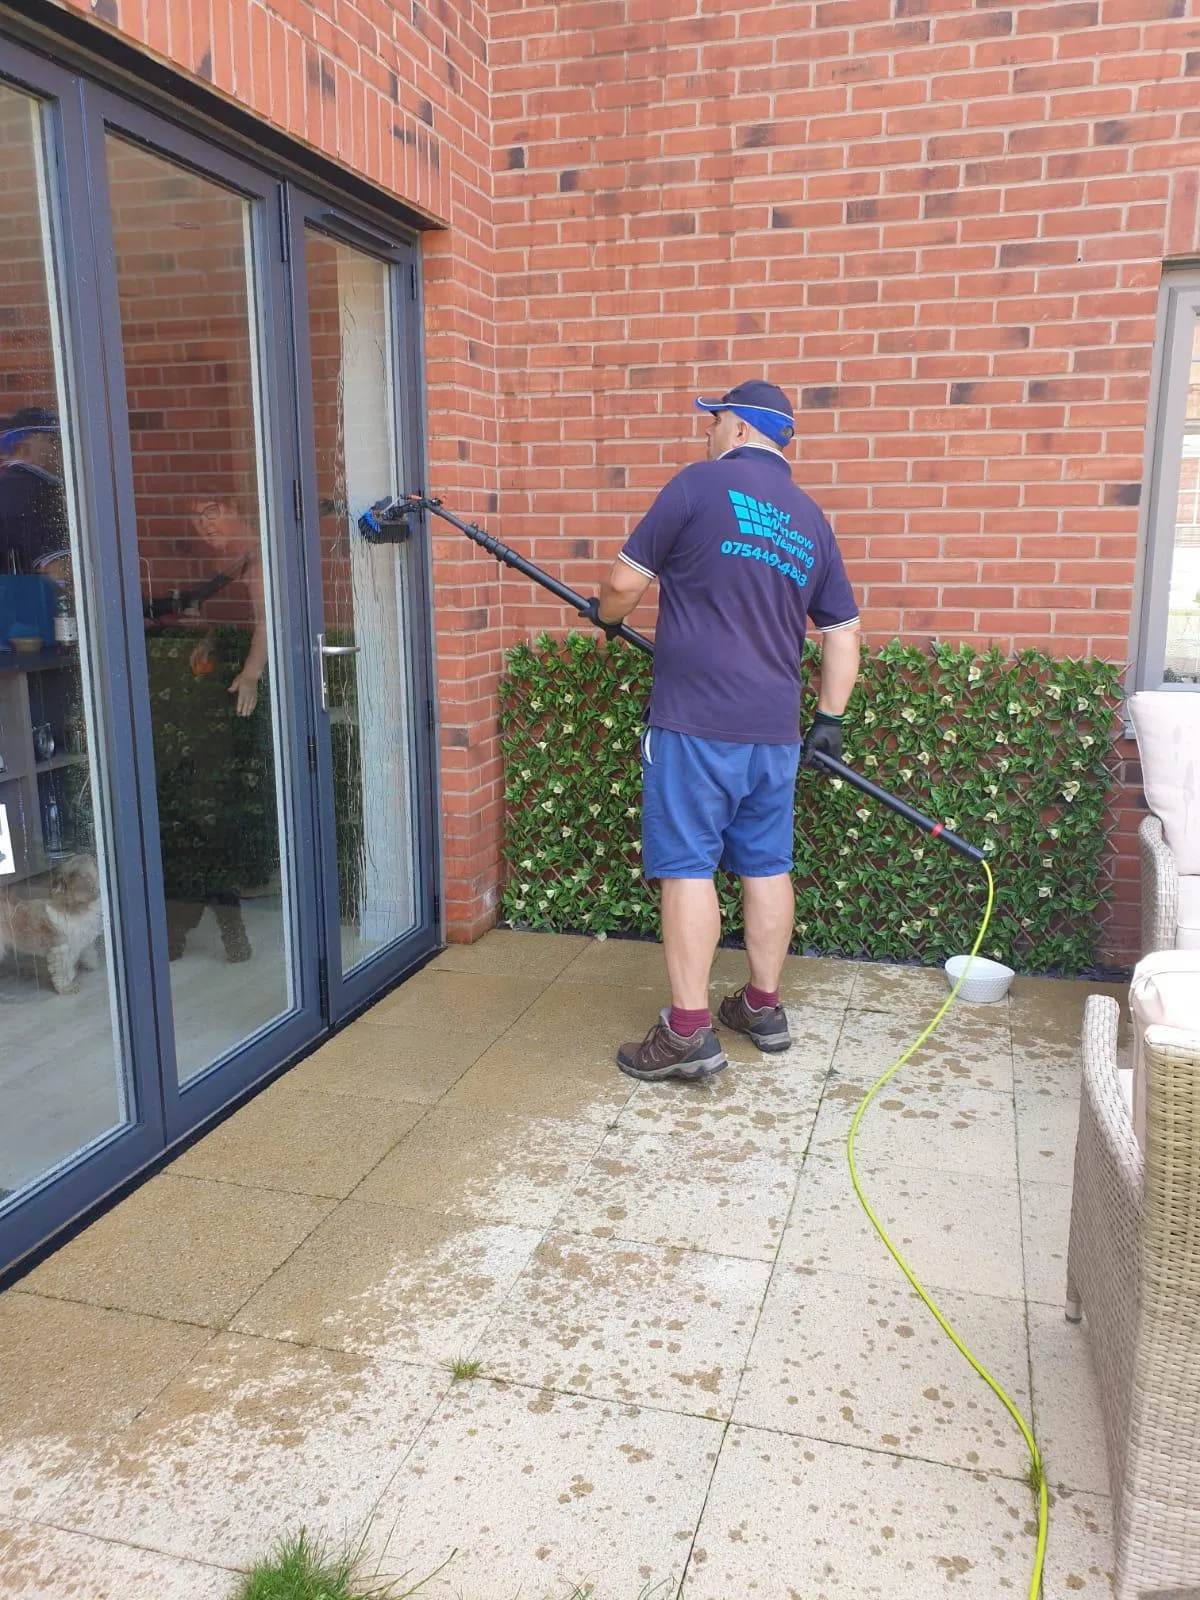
column 760, row 1000
column 686, row 1023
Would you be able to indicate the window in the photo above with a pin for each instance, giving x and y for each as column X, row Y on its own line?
column 1169, row 653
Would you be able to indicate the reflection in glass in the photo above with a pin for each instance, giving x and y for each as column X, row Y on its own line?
column 1183, row 606
column 63, row 1081
column 367, row 615
column 184, row 264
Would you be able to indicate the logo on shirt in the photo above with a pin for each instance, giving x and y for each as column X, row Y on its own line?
column 775, row 540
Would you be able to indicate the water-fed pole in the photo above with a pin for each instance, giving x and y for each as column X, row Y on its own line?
column 377, row 522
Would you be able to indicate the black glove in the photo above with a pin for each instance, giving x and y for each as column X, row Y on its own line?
column 823, row 738
column 610, row 630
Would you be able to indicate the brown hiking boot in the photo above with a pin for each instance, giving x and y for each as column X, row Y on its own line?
column 663, row 1054
column 768, row 1027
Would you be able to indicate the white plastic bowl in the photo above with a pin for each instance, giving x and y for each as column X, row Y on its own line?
column 987, row 980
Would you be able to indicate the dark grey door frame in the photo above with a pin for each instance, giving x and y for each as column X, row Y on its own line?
column 79, row 109
column 347, row 995
column 60, row 1197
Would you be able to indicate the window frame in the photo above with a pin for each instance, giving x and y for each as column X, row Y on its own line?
column 1178, row 319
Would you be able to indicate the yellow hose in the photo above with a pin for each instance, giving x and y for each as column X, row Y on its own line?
column 1037, row 1472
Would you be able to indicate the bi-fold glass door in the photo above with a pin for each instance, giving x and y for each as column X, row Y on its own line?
column 215, row 750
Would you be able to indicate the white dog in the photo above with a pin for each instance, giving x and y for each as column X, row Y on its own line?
column 64, row 929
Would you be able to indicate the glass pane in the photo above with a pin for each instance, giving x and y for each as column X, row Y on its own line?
column 1183, row 607
column 185, row 275
column 63, row 1082
column 366, row 589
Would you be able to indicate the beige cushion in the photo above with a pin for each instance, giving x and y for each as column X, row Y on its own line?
column 1188, row 935
column 1167, row 725
column 1165, row 991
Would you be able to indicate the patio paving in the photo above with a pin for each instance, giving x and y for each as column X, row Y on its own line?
column 701, row 1375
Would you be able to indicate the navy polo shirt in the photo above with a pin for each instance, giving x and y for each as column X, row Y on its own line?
column 744, row 560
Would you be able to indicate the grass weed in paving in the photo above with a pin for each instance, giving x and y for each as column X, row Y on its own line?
column 306, row 1569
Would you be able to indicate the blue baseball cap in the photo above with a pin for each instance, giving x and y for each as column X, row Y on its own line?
column 760, row 404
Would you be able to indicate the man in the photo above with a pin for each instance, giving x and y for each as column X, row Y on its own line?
column 744, row 561
column 33, row 507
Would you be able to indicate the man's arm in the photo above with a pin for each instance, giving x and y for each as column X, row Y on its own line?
column 621, row 591
column 839, row 667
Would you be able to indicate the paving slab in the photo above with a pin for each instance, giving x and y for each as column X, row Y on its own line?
column 795, row 1517
column 300, row 1141
column 947, row 1128
column 1045, row 1231
column 380, row 1279
column 467, row 1004
column 956, row 1231
column 969, row 1051
column 36, row 1560
column 730, row 1197
column 256, row 1439
column 69, row 1375
column 1066, row 1402
column 408, row 1062
column 860, row 1361
column 534, row 1493
column 1047, row 1129
column 511, row 954
column 634, row 1323
column 181, row 1248
column 490, row 1165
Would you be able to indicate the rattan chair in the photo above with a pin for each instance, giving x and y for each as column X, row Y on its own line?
column 1133, row 1267
column 1160, row 888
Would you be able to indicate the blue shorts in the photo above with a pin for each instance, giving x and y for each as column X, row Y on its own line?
column 709, row 803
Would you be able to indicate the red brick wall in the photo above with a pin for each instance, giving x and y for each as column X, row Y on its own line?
column 941, row 227
column 399, row 93
column 26, row 348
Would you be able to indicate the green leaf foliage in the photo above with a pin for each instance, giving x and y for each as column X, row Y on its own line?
column 1011, row 752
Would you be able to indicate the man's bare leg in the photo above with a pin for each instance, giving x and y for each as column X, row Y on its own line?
column 691, row 920
column 770, row 910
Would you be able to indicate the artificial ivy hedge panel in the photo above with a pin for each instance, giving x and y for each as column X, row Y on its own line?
column 1013, row 753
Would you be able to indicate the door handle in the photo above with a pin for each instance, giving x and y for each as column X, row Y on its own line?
column 324, row 650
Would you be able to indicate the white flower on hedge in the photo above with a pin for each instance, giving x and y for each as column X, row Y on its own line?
column 835, row 783
column 993, row 790
column 568, row 697
column 918, row 924
column 635, row 872
column 551, row 888
column 600, row 849
column 952, row 822
column 631, row 811
column 568, row 727
column 1015, row 708
column 518, row 905
column 606, row 722
column 991, row 816
column 906, row 773
column 556, row 788
column 974, row 675
column 870, row 761
column 989, row 845
column 868, row 716
column 908, row 714
column 1047, row 861
column 541, row 744
column 594, row 809
column 1071, row 789
column 1086, row 741
column 1053, row 690
column 862, row 813
column 924, row 757
column 1045, row 892
column 547, row 805
column 1025, row 921
column 624, row 690
column 845, row 850
column 1001, row 736
column 566, row 833
column 919, row 853
column 1053, row 832
column 614, row 788
column 950, row 736
column 1004, row 765
column 1082, row 705
column 527, row 864
column 852, row 833
column 840, row 883
column 526, row 774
